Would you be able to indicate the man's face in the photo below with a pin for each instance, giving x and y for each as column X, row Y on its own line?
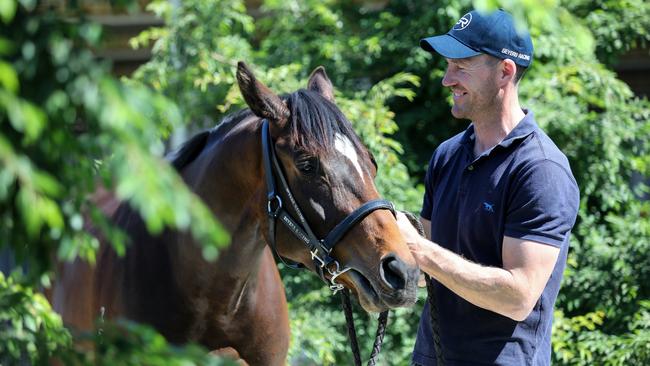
column 473, row 86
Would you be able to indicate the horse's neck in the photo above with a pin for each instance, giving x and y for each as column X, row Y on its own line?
column 226, row 175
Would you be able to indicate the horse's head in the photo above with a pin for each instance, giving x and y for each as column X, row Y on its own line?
column 330, row 174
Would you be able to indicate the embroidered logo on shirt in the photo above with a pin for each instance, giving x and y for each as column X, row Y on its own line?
column 489, row 207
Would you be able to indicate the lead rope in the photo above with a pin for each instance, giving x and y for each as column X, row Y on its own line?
column 352, row 334
column 349, row 320
column 433, row 312
column 379, row 337
column 433, row 305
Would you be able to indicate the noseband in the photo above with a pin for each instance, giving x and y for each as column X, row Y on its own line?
column 320, row 249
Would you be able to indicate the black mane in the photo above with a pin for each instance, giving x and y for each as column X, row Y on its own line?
column 191, row 148
column 313, row 125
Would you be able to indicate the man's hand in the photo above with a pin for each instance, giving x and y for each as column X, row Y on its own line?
column 409, row 233
column 413, row 240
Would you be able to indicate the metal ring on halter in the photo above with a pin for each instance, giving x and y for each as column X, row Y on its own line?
column 335, row 286
column 335, row 272
column 271, row 211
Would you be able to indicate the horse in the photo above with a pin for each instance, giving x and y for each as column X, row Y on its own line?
column 316, row 164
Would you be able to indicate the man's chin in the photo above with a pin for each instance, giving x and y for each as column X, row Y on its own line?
column 458, row 113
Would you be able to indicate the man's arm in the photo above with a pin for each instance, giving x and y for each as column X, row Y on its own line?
column 511, row 291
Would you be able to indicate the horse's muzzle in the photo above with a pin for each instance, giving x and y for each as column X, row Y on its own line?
column 394, row 286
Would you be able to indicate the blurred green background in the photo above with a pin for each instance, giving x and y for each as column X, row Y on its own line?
column 69, row 118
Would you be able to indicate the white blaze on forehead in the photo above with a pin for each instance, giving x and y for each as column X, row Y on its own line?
column 318, row 208
column 345, row 147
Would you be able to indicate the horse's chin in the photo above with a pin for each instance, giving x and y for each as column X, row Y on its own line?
column 373, row 300
column 368, row 297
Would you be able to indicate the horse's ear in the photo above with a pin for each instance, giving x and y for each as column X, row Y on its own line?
column 320, row 83
column 261, row 100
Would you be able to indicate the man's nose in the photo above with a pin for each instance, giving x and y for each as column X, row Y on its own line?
column 448, row 79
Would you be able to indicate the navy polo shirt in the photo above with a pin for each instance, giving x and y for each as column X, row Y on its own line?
column 522, row 188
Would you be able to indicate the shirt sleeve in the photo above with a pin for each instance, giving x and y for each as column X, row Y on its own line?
column 427, row 201
column 543, row 204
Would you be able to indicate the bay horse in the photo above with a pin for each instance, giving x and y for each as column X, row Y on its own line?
column 238, row 303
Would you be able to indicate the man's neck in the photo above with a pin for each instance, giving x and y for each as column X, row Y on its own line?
column 491, row 129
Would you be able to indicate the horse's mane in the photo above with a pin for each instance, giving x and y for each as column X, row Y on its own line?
column 313, row 125
column 315, row 121
column 191, row 148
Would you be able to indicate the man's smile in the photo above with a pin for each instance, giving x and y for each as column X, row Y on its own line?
column 458, row 94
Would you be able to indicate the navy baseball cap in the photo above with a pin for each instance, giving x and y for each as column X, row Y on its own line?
column 476, row 33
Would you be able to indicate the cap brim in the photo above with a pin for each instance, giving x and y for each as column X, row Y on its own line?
column 447, row 46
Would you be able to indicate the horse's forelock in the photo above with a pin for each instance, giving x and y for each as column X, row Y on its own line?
column 315, row 121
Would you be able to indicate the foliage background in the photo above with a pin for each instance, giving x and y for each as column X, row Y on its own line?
column 60, row 106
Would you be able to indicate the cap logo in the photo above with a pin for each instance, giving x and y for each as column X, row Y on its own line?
column 516, row 54
column 463, row 22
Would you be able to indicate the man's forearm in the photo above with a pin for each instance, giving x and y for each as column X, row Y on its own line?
column 491, row 288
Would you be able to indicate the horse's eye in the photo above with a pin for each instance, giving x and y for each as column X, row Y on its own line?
column 308, row 165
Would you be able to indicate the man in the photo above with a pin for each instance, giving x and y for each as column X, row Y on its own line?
column 499, row 205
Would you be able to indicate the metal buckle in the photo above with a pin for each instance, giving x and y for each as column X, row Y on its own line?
column 270, row 209
column 314, row 255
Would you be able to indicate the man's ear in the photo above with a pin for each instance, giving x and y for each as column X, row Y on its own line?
column 508, row 70
column 261, row 100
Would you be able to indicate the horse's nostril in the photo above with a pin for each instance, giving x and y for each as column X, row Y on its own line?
column 393, row 272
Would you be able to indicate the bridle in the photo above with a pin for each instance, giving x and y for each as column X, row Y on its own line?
column 320, row 249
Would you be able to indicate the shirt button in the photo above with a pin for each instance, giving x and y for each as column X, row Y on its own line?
column 470, row 168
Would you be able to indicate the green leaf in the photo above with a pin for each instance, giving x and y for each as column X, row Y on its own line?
column 8, row 77
column 7, row 10
column 34, row 121
column 50, row 212
column 46, row 184
column 24, row 117
column 27, row 207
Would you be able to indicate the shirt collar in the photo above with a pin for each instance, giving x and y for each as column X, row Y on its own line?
column 524, row 128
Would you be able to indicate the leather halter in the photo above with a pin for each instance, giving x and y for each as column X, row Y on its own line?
column 320, row 249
